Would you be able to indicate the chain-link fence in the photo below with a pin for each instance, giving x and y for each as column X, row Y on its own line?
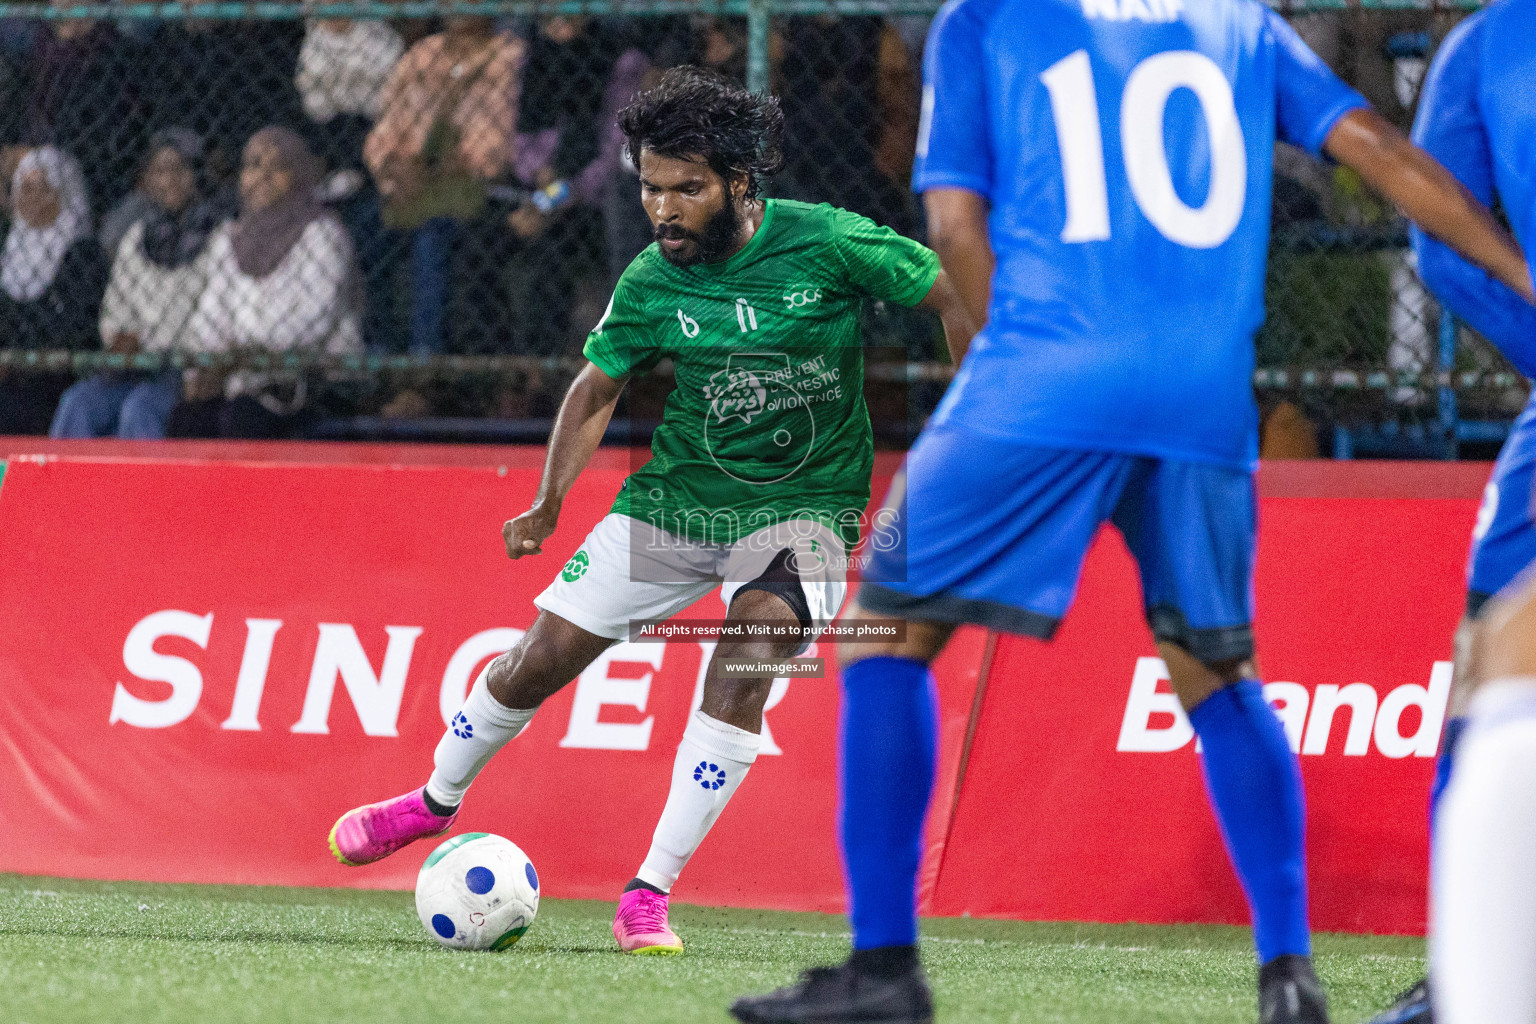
column 431, row 200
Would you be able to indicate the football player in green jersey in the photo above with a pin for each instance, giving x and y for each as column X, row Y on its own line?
column 759, row 474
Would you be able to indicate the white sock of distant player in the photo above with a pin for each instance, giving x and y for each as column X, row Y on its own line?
column 483, row 726
column 1483, row 941
column 711, row 762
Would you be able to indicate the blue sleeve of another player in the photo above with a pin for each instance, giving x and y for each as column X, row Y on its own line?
column 952, row 146
column 1310, row 98
column 1450, row 128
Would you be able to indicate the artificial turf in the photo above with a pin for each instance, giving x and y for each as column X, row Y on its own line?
column 122, row 953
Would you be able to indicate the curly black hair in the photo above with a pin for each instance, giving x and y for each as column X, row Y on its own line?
column 693, row 113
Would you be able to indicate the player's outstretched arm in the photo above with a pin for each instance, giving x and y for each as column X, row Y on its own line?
column 957, row 231
column 959, row 327
column 1428, row 194
column 579, row 427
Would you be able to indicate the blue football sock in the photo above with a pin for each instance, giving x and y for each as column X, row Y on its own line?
column 1254, row 782
column 888, row 737
column 1444, row 765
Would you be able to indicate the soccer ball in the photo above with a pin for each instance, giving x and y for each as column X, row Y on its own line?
column 477, row 891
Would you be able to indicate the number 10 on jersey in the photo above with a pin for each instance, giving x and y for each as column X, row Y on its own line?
column 1075, row 107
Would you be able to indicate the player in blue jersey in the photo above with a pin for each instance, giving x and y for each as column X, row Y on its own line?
column 1478, row 114
column 1450, row 127
column 1097, row 177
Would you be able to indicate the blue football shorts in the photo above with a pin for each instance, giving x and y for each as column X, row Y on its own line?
column 1504, row 539
column 991, row 531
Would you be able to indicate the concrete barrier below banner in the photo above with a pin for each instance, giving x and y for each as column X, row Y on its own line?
column 210, row 655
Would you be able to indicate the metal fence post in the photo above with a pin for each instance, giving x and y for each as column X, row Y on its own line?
column 757, row 45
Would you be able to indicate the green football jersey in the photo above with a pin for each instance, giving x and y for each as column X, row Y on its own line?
column 767, row 422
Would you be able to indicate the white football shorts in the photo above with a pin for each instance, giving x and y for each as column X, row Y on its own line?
column 627, row 571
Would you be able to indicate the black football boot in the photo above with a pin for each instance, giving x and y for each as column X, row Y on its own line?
column 1412, row 1007
column 1289, row 992
column 843, row 995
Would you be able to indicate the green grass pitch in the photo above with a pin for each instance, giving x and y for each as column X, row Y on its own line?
column 124, row 953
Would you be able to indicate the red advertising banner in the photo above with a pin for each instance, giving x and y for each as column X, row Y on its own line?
column 205, row 662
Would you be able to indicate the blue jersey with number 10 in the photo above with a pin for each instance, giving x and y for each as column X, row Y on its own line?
column 1126, row 148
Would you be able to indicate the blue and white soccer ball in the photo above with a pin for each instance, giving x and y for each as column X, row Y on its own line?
column 477, row 891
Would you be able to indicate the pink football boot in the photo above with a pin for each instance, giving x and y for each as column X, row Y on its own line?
column 374, row 831
column 641, row 925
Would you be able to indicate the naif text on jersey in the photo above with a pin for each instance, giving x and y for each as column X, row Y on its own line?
column 1151, row 11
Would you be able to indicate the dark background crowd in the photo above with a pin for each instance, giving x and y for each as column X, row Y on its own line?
column 457, row 186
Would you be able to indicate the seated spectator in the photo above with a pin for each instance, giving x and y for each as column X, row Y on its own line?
column 51, row 279
column 280, row 278
column 52, row 272
column 182, row 143
column 449, row 110
column 157, row 280
column 343, row 66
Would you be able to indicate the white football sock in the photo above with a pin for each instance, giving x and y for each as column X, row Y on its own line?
column 482, row 727
column 1483, row 928
column 711, row 762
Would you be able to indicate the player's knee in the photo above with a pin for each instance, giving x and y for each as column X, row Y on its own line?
column 1194, row 679
column 916, row 641
column 737, row 694
column 525, row 676
column 1468, row 673
column 1505, row 639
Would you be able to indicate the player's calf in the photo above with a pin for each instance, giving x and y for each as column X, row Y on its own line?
column 551, row 654
column 719, row 747
column 1253, row 779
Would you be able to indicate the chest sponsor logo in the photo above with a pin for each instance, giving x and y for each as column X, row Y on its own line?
column 751, row 384
column 735, row 394
column 803, row 298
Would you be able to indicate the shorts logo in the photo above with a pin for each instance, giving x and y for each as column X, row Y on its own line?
column 461, row 727
column 710, row 776
column 576, row 568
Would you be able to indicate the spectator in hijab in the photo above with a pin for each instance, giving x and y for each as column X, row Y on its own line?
column 281, row 278
column 51, row 279
column 51, row 271
column 449, row 113
column 139, row 204
column 157, row 280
